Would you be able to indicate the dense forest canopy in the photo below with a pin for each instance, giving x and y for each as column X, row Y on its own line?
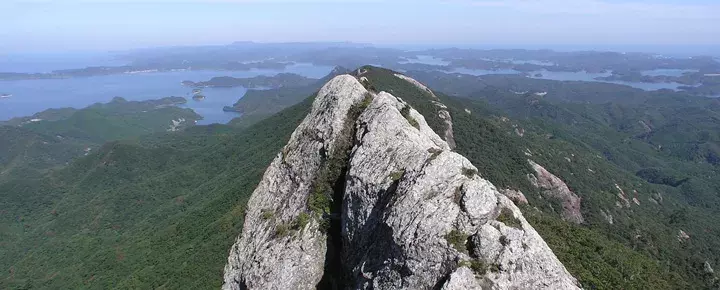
column 134, row 195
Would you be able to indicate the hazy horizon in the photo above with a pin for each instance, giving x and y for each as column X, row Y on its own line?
column 666, row 26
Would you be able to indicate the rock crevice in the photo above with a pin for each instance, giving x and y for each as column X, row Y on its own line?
column 404, row 212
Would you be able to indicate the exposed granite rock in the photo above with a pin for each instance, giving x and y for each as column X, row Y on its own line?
column 682, row 236
column 447, row 119
column 645, row 127
column 443, row 113
column 515, row 195
column 417, row 84
column 263, row 257
column 623, row 197
column 554, row 187
column 463, row 278
column 607, row 216
column 414, row 215
column 707, row 268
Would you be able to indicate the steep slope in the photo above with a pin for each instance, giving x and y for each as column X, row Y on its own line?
column 367, row 195
column 156, row 212
column 267, row 255
column 638, row 191
column 52, row 138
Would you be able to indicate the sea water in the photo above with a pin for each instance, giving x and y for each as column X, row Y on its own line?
column 32, row 96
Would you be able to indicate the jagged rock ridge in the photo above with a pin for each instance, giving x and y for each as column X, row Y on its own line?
column 367, row 196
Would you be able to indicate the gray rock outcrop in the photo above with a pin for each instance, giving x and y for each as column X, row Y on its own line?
column 515, row 195
column 443, row 113
column 411, row 213
column 553, row 187
column 267, row 255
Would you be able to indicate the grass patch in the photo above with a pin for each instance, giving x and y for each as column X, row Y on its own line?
column 301, row 221
column 457, row 240
column 405, row 112
column 478, row 267
column 506, row 216
column 282, row 230
column 368, row 85
column 366, row 101
column 395, row 176
column 435, row 152
column 266, row 214
column 468, row 172
column 319, row 201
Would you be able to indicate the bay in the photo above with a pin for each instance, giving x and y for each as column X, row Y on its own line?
column 32, row 96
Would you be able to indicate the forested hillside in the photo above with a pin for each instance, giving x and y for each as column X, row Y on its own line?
column 161, row 211
column 158, row 212
column 643, row 163
column 31, row 145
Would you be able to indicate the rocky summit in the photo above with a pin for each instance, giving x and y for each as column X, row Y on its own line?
column 365, row 195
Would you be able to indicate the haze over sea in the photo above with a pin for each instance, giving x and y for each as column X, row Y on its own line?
column 32, row 96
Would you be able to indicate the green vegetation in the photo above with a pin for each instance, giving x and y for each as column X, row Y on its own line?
column 405, row 112
column 118, row 119
column 477, row 266
column 395, row 176
column 435, row 153
column 266, row 214
column 277, row 81
column 160, row 211
column 606, row 146
column 282, row 230
column 385, row 80
column 320, row 199
column 301, row 221
column 366, row 101
column 47, row 115
column 52, row 138
column 324, row 198
column 457, row 240
column 506, row 216
column 469, row 172
column 257, row 104
column 156, row 212
column 661, row 176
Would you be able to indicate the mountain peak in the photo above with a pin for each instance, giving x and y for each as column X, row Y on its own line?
column 366, row 195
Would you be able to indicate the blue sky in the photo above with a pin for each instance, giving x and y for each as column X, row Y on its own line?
column 71, row 25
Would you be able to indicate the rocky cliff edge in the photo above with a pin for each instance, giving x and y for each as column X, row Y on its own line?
column 366, row 196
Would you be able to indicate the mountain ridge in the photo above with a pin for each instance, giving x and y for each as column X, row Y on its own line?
column 382, row 169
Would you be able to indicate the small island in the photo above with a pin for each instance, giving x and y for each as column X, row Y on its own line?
column 198, row 95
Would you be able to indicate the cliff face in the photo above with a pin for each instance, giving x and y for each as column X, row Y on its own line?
column 366, row 196
column 553, row 187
